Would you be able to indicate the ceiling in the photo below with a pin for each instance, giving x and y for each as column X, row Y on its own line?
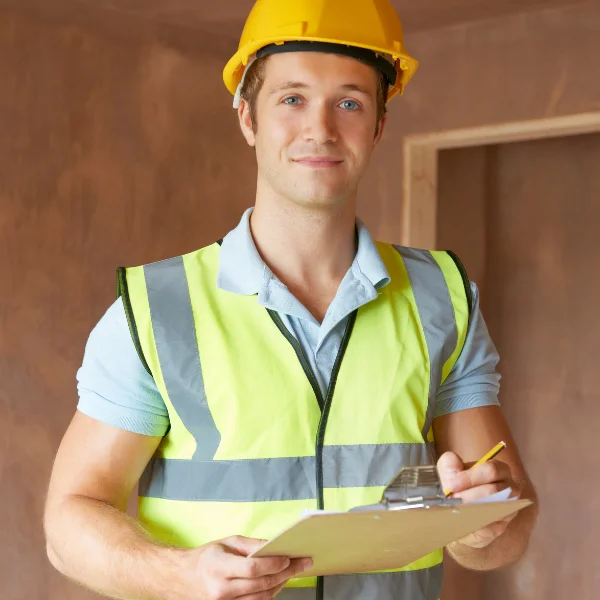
column 415, row 14
column 226, row 16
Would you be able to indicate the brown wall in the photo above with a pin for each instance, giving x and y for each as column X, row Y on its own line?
column 121, row 148
column 542, row 305
column 536, row 204
column 111, row 154
column 518, row 68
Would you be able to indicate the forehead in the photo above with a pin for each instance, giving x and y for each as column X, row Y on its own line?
column 318, row 69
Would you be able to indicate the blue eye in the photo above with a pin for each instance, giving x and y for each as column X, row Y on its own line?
column 350, row 105
column 292, row 101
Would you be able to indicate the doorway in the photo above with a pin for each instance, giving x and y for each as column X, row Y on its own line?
column 525, row 219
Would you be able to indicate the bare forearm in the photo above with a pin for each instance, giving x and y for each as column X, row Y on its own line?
column 107, row 551
column 505, row 550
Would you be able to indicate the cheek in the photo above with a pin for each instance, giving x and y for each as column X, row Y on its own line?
column 361, row 146
column 285, row 132
column 359, row 137
column 280, row 130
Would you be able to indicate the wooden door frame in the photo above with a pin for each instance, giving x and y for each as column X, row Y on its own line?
column 420, row 186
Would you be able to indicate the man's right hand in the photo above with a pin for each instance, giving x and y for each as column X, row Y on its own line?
column 222, row 570
column 92, row 540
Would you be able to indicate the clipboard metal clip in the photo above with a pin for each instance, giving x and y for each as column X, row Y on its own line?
column 416, row 487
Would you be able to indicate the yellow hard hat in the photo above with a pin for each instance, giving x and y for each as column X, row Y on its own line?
column 364, row 29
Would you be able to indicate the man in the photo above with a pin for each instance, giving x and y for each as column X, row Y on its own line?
column 294, row 364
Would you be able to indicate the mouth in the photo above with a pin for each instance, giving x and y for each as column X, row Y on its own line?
column 318, row 162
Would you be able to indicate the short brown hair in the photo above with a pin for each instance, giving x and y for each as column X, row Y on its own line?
column 255, row 77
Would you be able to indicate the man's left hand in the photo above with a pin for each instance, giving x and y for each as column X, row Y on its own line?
column 473, row 484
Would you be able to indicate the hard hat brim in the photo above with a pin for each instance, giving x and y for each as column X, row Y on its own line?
column 232, row 74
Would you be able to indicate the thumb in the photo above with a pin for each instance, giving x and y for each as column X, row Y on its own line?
column 448, row 465
column 242, row 545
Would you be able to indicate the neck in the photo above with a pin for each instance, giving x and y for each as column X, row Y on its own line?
column 309, row 250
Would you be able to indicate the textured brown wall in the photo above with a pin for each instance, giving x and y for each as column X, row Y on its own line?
column 463, row 176
column 537, row 203
column 122, row 148
column 530, row 66
column 111, row 153
column 541, row 302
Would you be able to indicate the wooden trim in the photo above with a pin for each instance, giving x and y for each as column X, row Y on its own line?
column 419, row 208
column 420, row 182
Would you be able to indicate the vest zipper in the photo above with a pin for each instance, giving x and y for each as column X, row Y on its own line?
column 324, row 405
column 300, row 354
column 327, row 407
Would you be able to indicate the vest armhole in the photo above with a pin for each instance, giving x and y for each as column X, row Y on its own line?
column 465, row 278
column 123, row 293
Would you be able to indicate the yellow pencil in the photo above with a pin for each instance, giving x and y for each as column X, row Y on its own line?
column 491, row 454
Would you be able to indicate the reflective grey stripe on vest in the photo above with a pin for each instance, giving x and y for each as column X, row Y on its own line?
column 177, row 348
column 276, row 479
column 424, row 584
column 436, row 313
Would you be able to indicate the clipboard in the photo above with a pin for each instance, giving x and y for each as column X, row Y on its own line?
column 413, row 519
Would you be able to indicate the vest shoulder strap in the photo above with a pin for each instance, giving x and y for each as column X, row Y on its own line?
column 444, row 300
column 462, row 313
column 123, row 293
column 465, row 278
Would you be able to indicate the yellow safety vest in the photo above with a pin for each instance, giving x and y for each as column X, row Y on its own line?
column 252, row 442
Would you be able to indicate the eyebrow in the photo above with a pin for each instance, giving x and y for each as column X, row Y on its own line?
column 297, row 85
column 352, row 87
column 288, row 85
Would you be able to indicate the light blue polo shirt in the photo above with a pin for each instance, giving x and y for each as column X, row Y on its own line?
column 115, row 388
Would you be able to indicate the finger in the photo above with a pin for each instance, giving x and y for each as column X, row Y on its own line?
column 481, row 491
column 241, row 567
column 516, row 490
column 242, row 587
column 243, row 545
column 485, row 536
column 509, row 518
column 234, row 561
column 489, row 472
column 448, row 465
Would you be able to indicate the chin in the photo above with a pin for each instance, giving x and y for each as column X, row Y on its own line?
column 320, row 196
column 322, row 199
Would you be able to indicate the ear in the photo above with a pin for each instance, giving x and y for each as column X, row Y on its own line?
column 246, row 123
column 380, row 128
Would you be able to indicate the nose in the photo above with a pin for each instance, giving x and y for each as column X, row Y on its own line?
column 319, row 125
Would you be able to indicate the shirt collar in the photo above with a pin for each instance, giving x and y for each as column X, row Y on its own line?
column 241, row 268
column 243, row 271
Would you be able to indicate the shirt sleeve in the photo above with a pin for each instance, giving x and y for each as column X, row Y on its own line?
column 473, row 381
column 113, row 385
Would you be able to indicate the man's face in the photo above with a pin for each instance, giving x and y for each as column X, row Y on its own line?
column 316, row 124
